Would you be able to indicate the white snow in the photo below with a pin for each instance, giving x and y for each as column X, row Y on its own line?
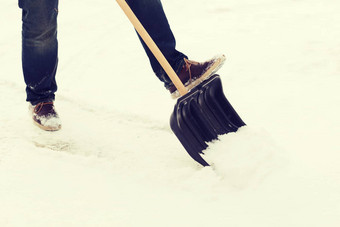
column 116, row 161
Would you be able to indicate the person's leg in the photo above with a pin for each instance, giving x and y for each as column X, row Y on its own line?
column 40, row 59
column 39, row 48
column 152, row 16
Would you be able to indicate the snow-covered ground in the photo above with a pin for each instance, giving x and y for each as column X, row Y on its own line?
column 116, row 161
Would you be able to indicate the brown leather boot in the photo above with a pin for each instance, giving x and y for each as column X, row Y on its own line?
column 45, row 116
column 193, row 73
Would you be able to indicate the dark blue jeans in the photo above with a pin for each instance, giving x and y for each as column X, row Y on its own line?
column 40, row 44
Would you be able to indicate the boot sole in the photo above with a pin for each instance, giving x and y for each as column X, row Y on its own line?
column 46, row 128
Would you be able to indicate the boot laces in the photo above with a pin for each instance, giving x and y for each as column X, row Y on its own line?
column 39, row 106
column 188, row 64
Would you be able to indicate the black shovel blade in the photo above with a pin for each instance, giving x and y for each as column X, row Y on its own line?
column 202, row 115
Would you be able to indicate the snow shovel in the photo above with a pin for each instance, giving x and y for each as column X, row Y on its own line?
column 200, row 115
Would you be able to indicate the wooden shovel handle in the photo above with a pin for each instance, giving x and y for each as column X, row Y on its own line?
column 153, row 47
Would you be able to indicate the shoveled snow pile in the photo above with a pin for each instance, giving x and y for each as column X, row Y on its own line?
column 116, row 161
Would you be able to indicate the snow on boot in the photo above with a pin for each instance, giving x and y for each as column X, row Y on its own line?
column 45, row 116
